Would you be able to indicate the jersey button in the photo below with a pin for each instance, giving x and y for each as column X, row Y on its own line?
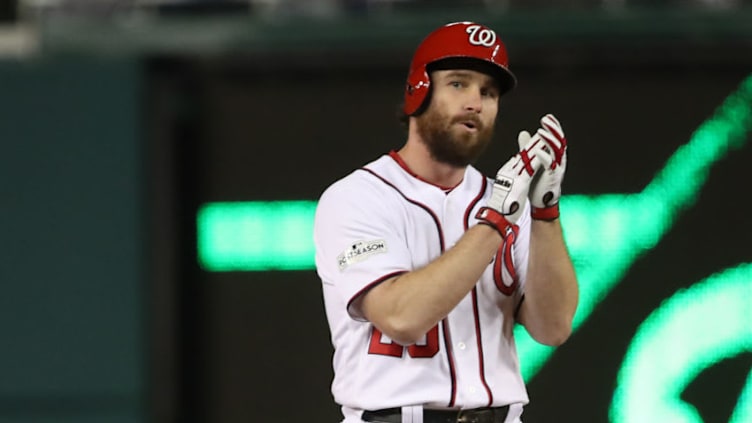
column 461, row 345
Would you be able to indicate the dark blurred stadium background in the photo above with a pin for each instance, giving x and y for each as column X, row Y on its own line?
column 121, row 122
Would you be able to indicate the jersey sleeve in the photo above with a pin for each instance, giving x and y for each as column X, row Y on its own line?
column 359, row 238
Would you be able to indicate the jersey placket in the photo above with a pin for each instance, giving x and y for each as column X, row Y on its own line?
column 463, row 320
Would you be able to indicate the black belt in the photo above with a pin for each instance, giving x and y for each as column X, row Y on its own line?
column 473, row 415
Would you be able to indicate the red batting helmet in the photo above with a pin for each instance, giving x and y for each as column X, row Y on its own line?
column 458, row 40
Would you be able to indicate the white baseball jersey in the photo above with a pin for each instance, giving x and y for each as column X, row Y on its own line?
column 381, row 221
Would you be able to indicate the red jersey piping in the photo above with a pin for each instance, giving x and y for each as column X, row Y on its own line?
column 397, row 158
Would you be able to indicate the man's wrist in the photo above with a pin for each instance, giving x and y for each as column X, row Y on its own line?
column 494, row 219
column 545, row 213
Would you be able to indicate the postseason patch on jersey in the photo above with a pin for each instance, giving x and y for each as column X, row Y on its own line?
column 359, row 251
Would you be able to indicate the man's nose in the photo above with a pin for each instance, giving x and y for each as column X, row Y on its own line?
column 474, row 102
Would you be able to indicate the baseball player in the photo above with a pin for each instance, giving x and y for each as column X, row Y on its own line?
column 426, row 264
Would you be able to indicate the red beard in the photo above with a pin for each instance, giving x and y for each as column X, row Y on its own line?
column 448, row 142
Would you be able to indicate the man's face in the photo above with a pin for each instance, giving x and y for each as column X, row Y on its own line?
column 459, row 121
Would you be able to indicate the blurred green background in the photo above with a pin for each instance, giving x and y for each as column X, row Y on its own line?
column 121, row 121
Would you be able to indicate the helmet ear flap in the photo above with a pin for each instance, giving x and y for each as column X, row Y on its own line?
column 416, row 91
column 424, row 104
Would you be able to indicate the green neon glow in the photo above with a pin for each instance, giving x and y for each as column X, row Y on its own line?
column 688, row 333
column 743, row 411
column 606, row 233
column 243, row 236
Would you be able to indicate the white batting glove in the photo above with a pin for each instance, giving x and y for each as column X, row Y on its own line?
column 511, row 186
column 545, row 190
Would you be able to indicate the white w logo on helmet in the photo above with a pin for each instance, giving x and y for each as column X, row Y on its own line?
column 480, row 36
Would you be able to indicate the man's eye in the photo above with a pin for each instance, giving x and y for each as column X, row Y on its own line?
column 456, row 84
column 489, row 93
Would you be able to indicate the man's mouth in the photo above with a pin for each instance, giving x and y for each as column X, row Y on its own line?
column 470, row 124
